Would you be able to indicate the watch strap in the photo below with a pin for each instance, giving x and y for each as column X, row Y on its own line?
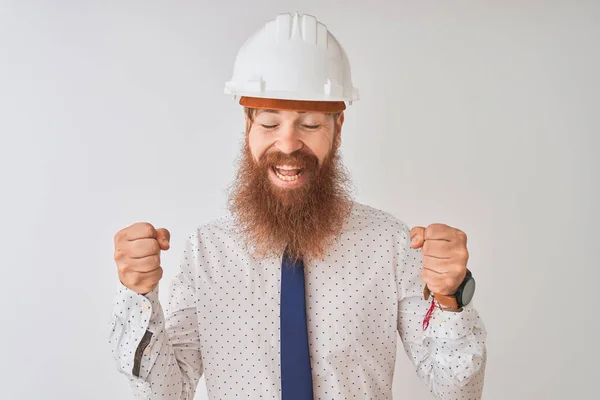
column 447, row 301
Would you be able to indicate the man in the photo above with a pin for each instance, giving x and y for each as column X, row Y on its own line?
column 300, row 293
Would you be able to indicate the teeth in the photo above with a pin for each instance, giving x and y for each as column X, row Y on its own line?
column 286, row 167
column 288, row 178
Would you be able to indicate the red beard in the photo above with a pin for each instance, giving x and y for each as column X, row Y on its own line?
column 306, row 219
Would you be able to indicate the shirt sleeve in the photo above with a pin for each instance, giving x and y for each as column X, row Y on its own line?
column 160, row 355
column 450, row 355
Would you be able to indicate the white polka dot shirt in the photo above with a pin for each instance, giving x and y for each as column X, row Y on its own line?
column 222, row 321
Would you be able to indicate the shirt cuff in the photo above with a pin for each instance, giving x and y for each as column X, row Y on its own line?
column 134, row 308
column 452, row 325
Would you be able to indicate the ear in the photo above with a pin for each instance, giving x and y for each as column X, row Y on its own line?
column 340, row 120
column 338, row 130
column 248, row 124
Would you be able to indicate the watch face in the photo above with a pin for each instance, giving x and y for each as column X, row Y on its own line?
column 468, row 292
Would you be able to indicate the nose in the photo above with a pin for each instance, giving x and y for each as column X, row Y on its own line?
column 288, row 140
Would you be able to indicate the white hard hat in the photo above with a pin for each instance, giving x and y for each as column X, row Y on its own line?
column 295, row 58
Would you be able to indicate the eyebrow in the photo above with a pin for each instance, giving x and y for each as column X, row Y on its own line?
column 276, row 111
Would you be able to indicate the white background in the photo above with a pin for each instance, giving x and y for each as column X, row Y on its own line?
column 482, row 115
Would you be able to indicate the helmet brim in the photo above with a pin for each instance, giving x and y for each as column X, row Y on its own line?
column 293, row 105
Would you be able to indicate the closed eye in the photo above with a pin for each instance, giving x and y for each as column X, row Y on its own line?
column 312, row 126
column 269, row 126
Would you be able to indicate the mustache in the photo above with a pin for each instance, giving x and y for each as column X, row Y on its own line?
column 299, row 158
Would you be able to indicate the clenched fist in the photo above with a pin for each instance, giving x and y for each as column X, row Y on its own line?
column 445, row 256
column 137, row 253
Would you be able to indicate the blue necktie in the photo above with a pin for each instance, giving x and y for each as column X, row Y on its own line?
column 296, row 376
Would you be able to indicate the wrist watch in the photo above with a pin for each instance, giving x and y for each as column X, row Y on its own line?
column 463, row 294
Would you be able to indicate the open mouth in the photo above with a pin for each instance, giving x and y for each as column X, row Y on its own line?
column 288, row 173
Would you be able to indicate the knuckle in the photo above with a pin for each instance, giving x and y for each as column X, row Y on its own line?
column 463, row 254
column 428, row 232
column 121, row 253
column 159, row 274
column 416, row 231
column 147, row 229
column 436, row 226
column 118, row 254
column 125, row 266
